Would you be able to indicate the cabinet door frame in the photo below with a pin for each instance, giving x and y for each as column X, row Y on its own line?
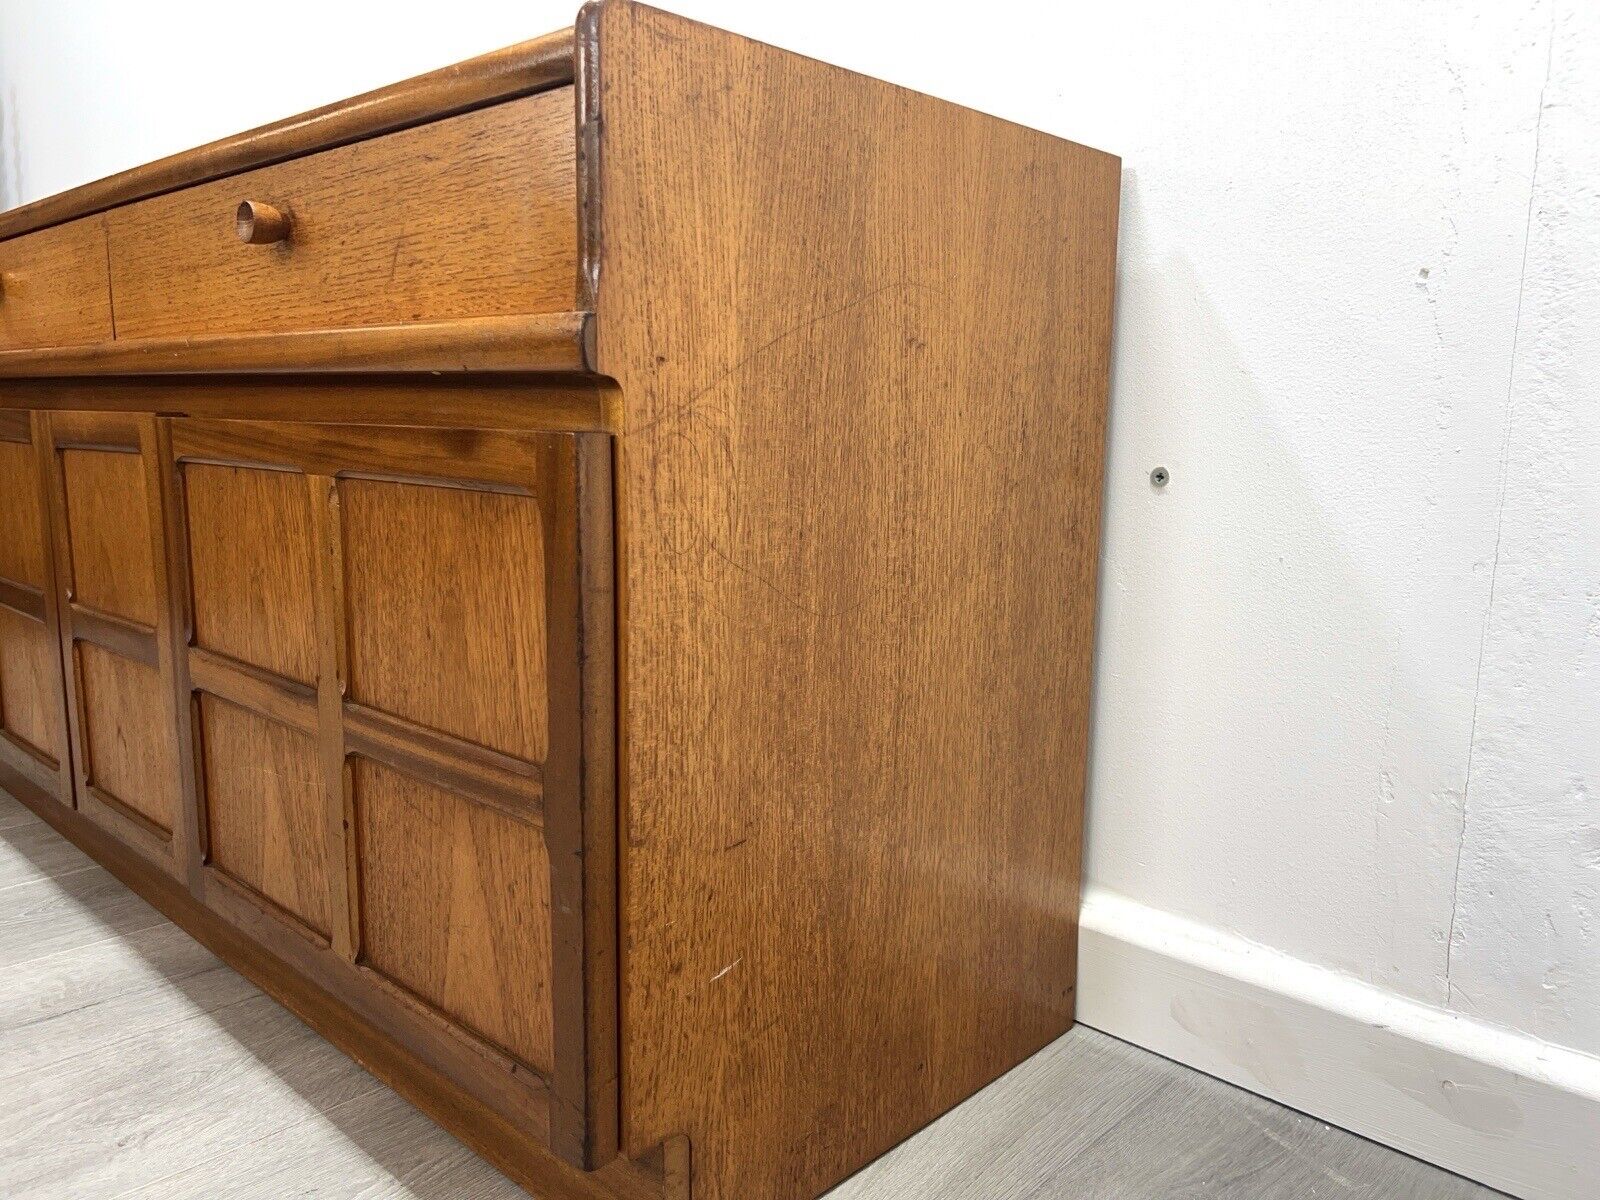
column 569, row 474
column 150, row 645
column 22, row 764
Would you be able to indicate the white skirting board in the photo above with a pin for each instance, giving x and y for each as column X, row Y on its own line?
column 1493, row 1105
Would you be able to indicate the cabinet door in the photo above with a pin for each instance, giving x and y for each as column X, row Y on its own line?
column 33, row 730
column 128, row 747
column 398, row 670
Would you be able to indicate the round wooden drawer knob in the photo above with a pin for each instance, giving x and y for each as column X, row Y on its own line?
column 261, row 224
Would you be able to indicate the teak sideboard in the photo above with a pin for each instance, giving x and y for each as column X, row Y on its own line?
column 576, row 573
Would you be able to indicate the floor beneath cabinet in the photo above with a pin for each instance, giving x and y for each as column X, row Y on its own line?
column 133, row 1063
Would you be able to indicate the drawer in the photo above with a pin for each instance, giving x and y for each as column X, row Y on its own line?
column 472, row 216
column 53, row 289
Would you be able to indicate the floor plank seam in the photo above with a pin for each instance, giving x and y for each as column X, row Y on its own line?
column 103, row 1046
column 41, row 878
column 150, row 1187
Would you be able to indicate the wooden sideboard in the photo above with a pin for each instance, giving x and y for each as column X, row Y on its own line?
column 576, row 573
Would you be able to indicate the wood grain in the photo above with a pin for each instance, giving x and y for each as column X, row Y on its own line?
column 206, row 1114
column 127, row 739
column 263, row 805
column 125, row 638
column 53, row 699
column 377, row 1147
column 14, row 816
column 860, row 513
column 58, row 1007
column 250, row 562
column 462, row 402
column 1087, row 1115
column 108, row 529
column 31, row 768
column 474, row 1109
column 464, row 457
column 117, row 627
column 27, row 851
column 56, row 921
column 491, row 78
column 30, row 670
column 510, row 784
column 174, row 641
column 444, row 628
column 22, row 600
column 21, row 524
column 466, row 925
column 29, row 683
column 580, row 824
column 466, row 217
column 272, row 696
column 334, row 771
column 54, row 289
column 258, row 224
column 550, row 342
column 825, row 782
column 440, row 518
column 39, row 920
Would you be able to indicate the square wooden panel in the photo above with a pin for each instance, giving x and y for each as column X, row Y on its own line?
column 21, row 529
column 444, row 589
column 250, row 557
column 456, row 908
column 108, row 526
column 264, row 809
column 127, row 735
column 29, row 664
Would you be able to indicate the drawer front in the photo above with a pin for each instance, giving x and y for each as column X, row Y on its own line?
column 472, row 216
column 383, row 668
column 53, row 287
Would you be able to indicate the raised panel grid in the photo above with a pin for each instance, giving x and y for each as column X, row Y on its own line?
column 427, row 579
column 114, row 631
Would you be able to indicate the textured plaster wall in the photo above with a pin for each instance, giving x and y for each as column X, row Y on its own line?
column 1349, row 689
column 1527, row 941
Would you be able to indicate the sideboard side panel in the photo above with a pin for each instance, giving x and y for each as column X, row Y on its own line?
column 863, row 339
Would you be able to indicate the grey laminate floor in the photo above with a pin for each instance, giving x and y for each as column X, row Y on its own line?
column 134, row 1064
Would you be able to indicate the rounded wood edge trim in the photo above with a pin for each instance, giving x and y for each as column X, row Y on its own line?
column 587, row 134
column 547, row 343
column 532, row 66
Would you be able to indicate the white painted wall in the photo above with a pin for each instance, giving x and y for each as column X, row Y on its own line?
column 1349, row 663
